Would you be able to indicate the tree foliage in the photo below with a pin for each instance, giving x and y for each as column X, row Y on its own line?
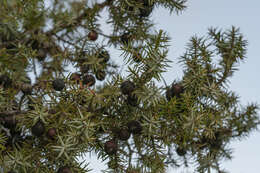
column 53, row 111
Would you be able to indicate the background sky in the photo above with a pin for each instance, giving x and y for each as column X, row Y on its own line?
column 198, row 17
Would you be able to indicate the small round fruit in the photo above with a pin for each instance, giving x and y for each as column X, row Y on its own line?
column 147, row 8
column 111, row 147
column 64, row 169
column 93, row 35
column 123, row 134
column 145, row 12
column 41, row 54
column 134, row 127
column 10, row 121
column 26, row 89
column 89, row 80
column 51, row 133
column 5, row 81
column 181, row 151
column 127, row 87
column 38, row 129
column 58, row 84
column 100, row 75
column 174, row 91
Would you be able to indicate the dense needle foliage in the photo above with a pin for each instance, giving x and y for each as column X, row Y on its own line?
column 63, row 96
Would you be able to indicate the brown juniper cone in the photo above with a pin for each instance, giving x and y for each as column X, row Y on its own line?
column 127, row 87
column 123, row 134
column 51, row 133
column 41, row 54
column 38, row 129
column 26, row 89
column 181, row 151
column 92, row 35
column 89, row 80
column 10, row 121
column 58, row 84
column 100, row 75
column 145, row 12
column 147, row 8
column 64, row 169
column 5, row 81
column 174, row 91
column 111, row 147
column 134, row 127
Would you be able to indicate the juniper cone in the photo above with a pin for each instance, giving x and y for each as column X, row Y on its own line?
column 64, row 169
column 100, row 75
column 38, row 129
column 26, row 89
column 10, row 121
column 110, row 147
column 93, row 35
column 58, row 84
column 46, row 39
column 127, row 87
column 174, row 91
column 51, row 133
column 134, row 127
column 41, row 54
column 89, row 80
column 123, row 134
column 180, row 151
column 5, row 81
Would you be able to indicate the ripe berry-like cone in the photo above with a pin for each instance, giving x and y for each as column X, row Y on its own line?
column 89, row 80
column 58, row 84
column 134, row 127
column 110, row 147
column 38, row 129
column 64, row 169
column 93, row 35
column 127, row 87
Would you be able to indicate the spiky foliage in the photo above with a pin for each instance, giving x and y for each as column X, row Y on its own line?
column 196, row 121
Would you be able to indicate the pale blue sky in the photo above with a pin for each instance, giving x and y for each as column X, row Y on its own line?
column 199, row 16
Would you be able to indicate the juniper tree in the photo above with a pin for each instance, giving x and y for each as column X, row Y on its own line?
column 60, row 113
